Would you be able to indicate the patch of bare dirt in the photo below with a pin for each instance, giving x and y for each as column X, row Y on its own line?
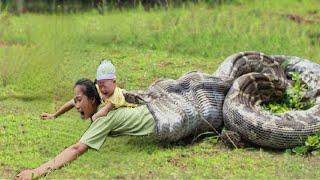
column 2, row 44
column 311, row 18
column 164, row 64
column 176, row 161
column 150, row 175
column 8, row 44
column 295, row 17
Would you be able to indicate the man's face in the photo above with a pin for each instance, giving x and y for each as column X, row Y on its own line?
column 84, row 105
column 107, row 86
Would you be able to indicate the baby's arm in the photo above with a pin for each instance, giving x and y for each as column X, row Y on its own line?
column 64, row 108
column 103, row 111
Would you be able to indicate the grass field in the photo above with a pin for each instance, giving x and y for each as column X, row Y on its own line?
column 41, row 56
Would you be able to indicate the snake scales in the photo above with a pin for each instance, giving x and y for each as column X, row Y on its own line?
column 232, row 97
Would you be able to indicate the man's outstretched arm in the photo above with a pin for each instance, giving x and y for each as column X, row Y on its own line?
column 64, row 108
column 66, row 156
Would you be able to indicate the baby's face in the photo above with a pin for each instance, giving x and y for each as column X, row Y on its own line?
column 107, row 86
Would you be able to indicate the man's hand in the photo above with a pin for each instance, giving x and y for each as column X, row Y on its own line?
column 66, row 156
column 27, row 174
column 47, row 116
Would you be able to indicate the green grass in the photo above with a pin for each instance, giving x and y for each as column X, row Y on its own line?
column 41, row 56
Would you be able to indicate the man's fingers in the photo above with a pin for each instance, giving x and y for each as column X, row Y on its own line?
column 24, row 175
column 44, row 114
column 18, row 176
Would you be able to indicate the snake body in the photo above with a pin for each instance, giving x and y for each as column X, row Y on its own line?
column 232, row 97
column 185, row 107
column 242, row 109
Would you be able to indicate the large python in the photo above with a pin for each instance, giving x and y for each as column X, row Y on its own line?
column 185, row 107
column 242, row 106
column 231, row 97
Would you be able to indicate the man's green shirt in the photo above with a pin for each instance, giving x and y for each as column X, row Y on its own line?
column 122, row 121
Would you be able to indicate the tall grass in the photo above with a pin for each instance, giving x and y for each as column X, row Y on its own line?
column 43, row 55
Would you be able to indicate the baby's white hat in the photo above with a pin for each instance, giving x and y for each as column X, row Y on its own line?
column 106, row 70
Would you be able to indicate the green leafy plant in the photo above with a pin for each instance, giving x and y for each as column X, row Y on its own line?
column 294, row 95
column 311, row 145
column 293, row 98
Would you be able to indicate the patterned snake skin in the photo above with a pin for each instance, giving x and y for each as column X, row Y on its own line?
column 232, row 97
column 185, row 107
column 242, row 111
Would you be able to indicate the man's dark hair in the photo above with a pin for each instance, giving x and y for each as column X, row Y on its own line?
column 89, row 89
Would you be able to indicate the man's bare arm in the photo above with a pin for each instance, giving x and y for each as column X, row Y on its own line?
column 64, row 108
column 66, row 156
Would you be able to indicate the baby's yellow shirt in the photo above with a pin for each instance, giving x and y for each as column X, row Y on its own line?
column 117, row 98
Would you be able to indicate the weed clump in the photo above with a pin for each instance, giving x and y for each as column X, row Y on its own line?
column 311, row 146
column 293, row 98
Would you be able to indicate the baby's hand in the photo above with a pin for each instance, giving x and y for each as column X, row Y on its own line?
column 94, row 117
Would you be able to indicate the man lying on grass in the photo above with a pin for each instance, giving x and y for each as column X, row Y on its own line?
column 111, row 95
column 122, row 121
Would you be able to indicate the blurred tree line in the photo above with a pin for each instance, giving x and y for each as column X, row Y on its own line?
column 71, row 6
